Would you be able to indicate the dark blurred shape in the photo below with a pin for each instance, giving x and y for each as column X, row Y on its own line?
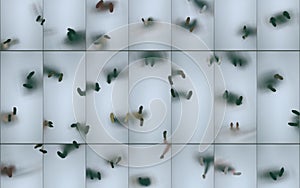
column 100, row 41
column 214, row 59
column 48, row 123
column 152, row 56
column 30, row 81
column 90, row 173
column 41, row 148
column 10, row 116
column 237, row 59
column 7, row 43
column 40, row 19
column 296, row 119
column 8, row 170
column 206, row 161
column 144, row 181
column 232, row 98
column 148, row 22
column 74, row 37
column 270, row 81
column 81, row 128
column 112, row 75
column 280, row 18
column 101, row 5
column 274, row 174
column 226, row 168
column 237, row 126
column 115, row 161
column 247, row 31
column 67, row 149
column 53, row 73
column 202, row 5
column 89, row 86
column 189, row 24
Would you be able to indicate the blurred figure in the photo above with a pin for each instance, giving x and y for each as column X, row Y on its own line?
column 7, row 43
column 247, row 31
column 277, row 173
column 113, row 75
column 152, row 56
column 175, row 73
column 296, row 119
column 41, row 146
column 148, row 22
column 270, row 81
column 189, row 24
column 89, row 86
column 115, row 161
column 67, row 149
column 280, row 18
column 168, row 146
column 8, row 170
column 53, row 73
column 74, row 37
column 40, row 19
column 237, row 126
column 30, row 82
column 81, row 128
column 206, row 161
column 237, row 59
column 232, row 98
column 214, row 59
column 101, row 5
column 48, row 123
column 11, row 116
column 144, row 181
column 226, row 168
column 39, row 12
column 90, row 173
column 201, row 5
column 101, row 41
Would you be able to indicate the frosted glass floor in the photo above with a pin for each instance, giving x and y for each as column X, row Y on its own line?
column 139, row 93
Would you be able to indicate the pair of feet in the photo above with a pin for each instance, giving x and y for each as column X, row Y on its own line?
column 64, row 154
column 280, row 18
column 276, row 174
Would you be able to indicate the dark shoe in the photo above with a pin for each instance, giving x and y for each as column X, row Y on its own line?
column 293, row 124
column 9, row 118
column 61, row 155
column 273, row 21
column 38, row 145
column 239, row 100
column 273, row 176
column 99, row 175
column 14, row 110
column 286, row 14
column 281, row 172
column 296, row 112
column 43, row 151
column 97, row 87
column 28, row 86
column 60, row 77
column 75, row 144
column 29, row 76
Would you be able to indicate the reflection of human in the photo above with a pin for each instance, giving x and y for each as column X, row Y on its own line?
column 206, row 161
